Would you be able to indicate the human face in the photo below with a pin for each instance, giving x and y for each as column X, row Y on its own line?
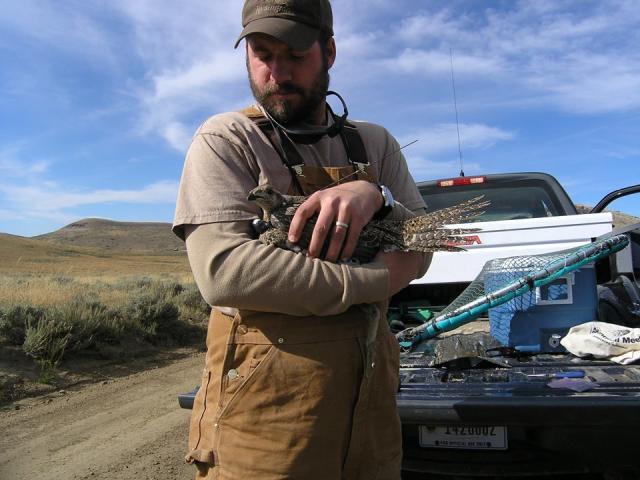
column 291, row 85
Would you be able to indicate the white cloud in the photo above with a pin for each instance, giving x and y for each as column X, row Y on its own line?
column 12, row 167
column 443, row 138
column 186, row 50
column 179, row 34
column 576, row 57
column 444, row 25
column 424, row 169
column 178, row 136
column 10, row 215
column 221, row 68
column 435, row 155
column 589, row 83
column 71, row 28
column 52, row 202
column 438, row 63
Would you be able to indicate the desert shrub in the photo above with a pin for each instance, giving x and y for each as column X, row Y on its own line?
column 92, row 323
column 155, row 316
column 46, row 341
column 14, row 319
column 136, row 283
column 55, row 317
column 192, row 306
column 168, row 288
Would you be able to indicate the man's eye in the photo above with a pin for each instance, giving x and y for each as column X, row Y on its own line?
column 297, row 56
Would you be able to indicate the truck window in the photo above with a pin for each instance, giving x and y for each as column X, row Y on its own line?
column 507, row 202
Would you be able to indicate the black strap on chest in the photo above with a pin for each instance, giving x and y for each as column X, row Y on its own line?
column 286, row 147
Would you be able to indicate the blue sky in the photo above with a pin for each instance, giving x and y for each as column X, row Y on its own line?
column 98, row 100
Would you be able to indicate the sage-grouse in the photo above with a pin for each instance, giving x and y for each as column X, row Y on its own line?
column 424, row 233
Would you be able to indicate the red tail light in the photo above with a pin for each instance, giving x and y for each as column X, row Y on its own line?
column 452, row 182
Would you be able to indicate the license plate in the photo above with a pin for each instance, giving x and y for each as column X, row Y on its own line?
column 469, row 437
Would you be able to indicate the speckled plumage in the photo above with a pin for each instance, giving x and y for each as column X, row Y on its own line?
column 424, row 233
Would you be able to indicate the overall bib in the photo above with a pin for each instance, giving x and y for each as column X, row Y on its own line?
column 307, row 398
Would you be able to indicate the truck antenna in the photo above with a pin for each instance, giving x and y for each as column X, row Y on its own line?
column 455, row 106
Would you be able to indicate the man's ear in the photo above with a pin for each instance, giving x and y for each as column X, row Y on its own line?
column 331, row 52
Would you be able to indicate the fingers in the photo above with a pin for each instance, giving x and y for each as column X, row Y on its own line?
column 300, row 218
column 325, row 209
column 352, row 240
column 339, row 234
column 342, row 213
column 324, row 225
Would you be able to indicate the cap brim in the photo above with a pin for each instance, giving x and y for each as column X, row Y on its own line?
column 295, row 34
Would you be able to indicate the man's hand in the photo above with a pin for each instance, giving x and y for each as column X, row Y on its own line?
column 352, row 204
column 403, row 268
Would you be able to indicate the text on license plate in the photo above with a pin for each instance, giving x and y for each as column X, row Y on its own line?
column 470, row 437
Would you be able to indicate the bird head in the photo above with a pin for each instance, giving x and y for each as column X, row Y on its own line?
column 266, row 197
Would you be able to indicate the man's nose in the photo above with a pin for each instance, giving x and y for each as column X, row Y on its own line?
column 280, row 71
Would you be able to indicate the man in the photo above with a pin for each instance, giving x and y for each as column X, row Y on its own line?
column 301, row 369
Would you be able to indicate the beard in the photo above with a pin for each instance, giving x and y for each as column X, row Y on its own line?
column 297, row 110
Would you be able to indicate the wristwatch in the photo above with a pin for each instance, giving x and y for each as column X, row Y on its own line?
column 387, row 206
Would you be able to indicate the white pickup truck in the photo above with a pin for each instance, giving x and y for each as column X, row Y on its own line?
column 495, row 415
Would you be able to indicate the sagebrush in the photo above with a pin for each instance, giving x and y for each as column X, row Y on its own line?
column 57, row 317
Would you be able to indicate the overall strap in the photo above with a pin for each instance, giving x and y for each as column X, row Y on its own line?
column 354, row 146
column 351, row 139
column 287, row 152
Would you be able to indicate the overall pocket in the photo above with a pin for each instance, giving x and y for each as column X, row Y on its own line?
column 244, row 362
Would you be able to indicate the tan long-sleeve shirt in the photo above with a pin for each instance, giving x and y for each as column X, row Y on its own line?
column 229, row 156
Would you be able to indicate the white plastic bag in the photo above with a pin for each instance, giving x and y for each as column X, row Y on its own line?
column 604, row 340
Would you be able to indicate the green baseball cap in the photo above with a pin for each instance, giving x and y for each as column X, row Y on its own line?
column 297, row 23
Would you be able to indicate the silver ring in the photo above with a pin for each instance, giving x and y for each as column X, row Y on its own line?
column 342, row 224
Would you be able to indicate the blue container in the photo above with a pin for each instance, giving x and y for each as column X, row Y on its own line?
column 537, row 320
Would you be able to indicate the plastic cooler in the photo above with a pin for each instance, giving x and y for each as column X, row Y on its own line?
column 537, row 320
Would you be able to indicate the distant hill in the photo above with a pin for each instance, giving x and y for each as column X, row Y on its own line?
column 109, row 236
column 22, row 255
column 619, row 219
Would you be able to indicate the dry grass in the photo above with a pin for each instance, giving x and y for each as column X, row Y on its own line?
column 53, row 317
column 25, row 256
column 60, row 302
column 50, row 290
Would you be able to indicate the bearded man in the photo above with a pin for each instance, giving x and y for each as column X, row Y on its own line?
column 301, row 368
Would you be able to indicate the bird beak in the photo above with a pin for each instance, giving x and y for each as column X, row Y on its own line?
column 251, row 197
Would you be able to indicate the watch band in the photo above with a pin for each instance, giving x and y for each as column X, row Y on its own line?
column 387, row 206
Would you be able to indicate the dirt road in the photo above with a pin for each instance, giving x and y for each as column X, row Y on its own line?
column 119, row 429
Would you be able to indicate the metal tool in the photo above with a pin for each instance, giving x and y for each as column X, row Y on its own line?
column 570, row 374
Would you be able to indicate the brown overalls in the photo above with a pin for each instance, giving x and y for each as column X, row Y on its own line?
column 306, row 398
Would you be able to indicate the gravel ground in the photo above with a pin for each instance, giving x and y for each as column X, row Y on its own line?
column 123, row 428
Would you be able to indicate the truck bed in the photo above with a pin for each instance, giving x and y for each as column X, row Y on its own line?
column 545, row 429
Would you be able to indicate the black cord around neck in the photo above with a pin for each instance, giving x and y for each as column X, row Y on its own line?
column 318, row 132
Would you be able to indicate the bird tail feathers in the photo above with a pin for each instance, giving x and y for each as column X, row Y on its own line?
column 428, row 233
